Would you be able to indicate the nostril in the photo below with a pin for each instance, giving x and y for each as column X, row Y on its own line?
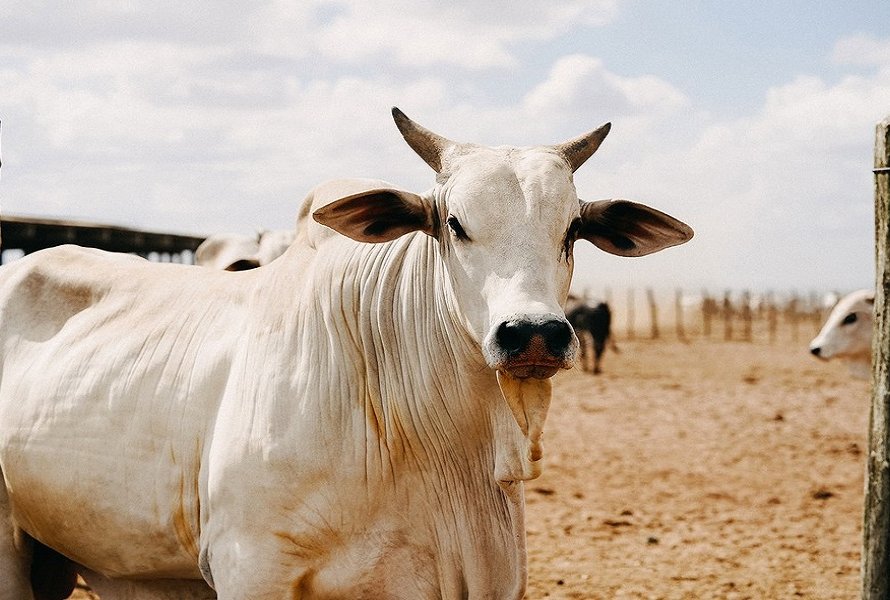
column 513, row 336
column 816, row 351
column 557, row 335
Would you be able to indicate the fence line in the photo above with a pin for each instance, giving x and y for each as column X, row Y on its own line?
column 738, row 316
column 29, row 234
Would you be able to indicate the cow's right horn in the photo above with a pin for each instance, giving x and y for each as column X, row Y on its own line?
column 579, row 149
column 428, row 145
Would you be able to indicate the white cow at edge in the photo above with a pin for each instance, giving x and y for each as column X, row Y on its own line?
column 847, row 332
column 354, row 420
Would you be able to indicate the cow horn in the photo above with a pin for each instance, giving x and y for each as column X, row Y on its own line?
column 428, row 145
column 579, row 149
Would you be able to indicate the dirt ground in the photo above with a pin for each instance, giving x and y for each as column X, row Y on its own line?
column 711, row 469
column 703, row 470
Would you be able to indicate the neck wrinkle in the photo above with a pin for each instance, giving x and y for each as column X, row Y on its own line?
column 428, row 407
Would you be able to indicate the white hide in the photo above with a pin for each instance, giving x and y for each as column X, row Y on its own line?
column 328, row 426
column 273, row 243
column 224, row 250
column 236, row 251
column 847, row 333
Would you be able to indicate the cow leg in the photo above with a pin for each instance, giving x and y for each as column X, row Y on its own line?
column 599, row 346
column 15, row 556
column 584, row 339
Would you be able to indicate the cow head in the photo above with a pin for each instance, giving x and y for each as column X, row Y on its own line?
column 506, row 220
column 847, row 332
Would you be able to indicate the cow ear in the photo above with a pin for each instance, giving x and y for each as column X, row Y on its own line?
column 377, row 214
column 627, row 228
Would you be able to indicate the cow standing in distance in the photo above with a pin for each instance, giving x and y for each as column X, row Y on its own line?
column 592, row 323
column 847, row 333
column 354, row 420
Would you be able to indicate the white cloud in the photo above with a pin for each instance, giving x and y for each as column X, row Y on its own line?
column 177, row 117
column 580, row 87
column 470, row 35
column 862, row 50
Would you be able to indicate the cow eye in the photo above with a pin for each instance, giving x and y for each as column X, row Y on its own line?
column 457, row 229
column 849, row 319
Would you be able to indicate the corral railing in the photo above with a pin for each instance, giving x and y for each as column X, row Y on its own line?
column 29, row 234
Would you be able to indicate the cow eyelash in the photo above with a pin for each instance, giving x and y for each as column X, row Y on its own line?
column 457, row 229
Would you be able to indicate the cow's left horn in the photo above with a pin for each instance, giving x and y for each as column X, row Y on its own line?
column 428, row 145
column 579, row 149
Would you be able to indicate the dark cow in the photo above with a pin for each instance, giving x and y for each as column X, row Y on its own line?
column 592, row 324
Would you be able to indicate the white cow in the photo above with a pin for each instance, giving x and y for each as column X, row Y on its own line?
column 847, row 332
column 355, row 420
column 240, row 252
column 274, row 243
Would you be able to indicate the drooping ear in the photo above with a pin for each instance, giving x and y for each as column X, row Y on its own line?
column 375, row 213
column 627, row 228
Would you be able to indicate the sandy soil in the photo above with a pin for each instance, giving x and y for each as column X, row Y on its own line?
column 707, row 470
column 703, row 470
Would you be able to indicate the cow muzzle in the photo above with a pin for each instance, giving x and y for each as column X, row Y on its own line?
column 535, row 346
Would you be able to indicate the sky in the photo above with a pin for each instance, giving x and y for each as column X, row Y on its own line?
column 752, row 122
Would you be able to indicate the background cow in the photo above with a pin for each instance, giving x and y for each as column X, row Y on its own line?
column 847, row 333
column 240, row 252
column 592, row 323
column 353, row 420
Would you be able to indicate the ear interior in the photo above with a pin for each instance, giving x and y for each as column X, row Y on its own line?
column 376, row 215
column 626, row 228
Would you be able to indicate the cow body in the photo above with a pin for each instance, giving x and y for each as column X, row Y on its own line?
column 593, row 325
column 354, row 420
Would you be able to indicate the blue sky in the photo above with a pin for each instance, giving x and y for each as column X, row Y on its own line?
column 753, row 122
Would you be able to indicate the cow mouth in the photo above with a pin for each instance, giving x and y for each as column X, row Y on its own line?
column 534, row 370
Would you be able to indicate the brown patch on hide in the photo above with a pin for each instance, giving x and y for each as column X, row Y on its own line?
column 42, row 289
column 184, row 532
column 44, row 301
column 301, row 587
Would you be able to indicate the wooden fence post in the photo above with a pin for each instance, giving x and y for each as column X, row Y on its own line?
column 876, row 521
column 792, row 314
column 727, row 316
column 708, row 310
column 631, row 305
column 772, row 318
column 746, row 316
column 678, row 309
column 653, row 313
